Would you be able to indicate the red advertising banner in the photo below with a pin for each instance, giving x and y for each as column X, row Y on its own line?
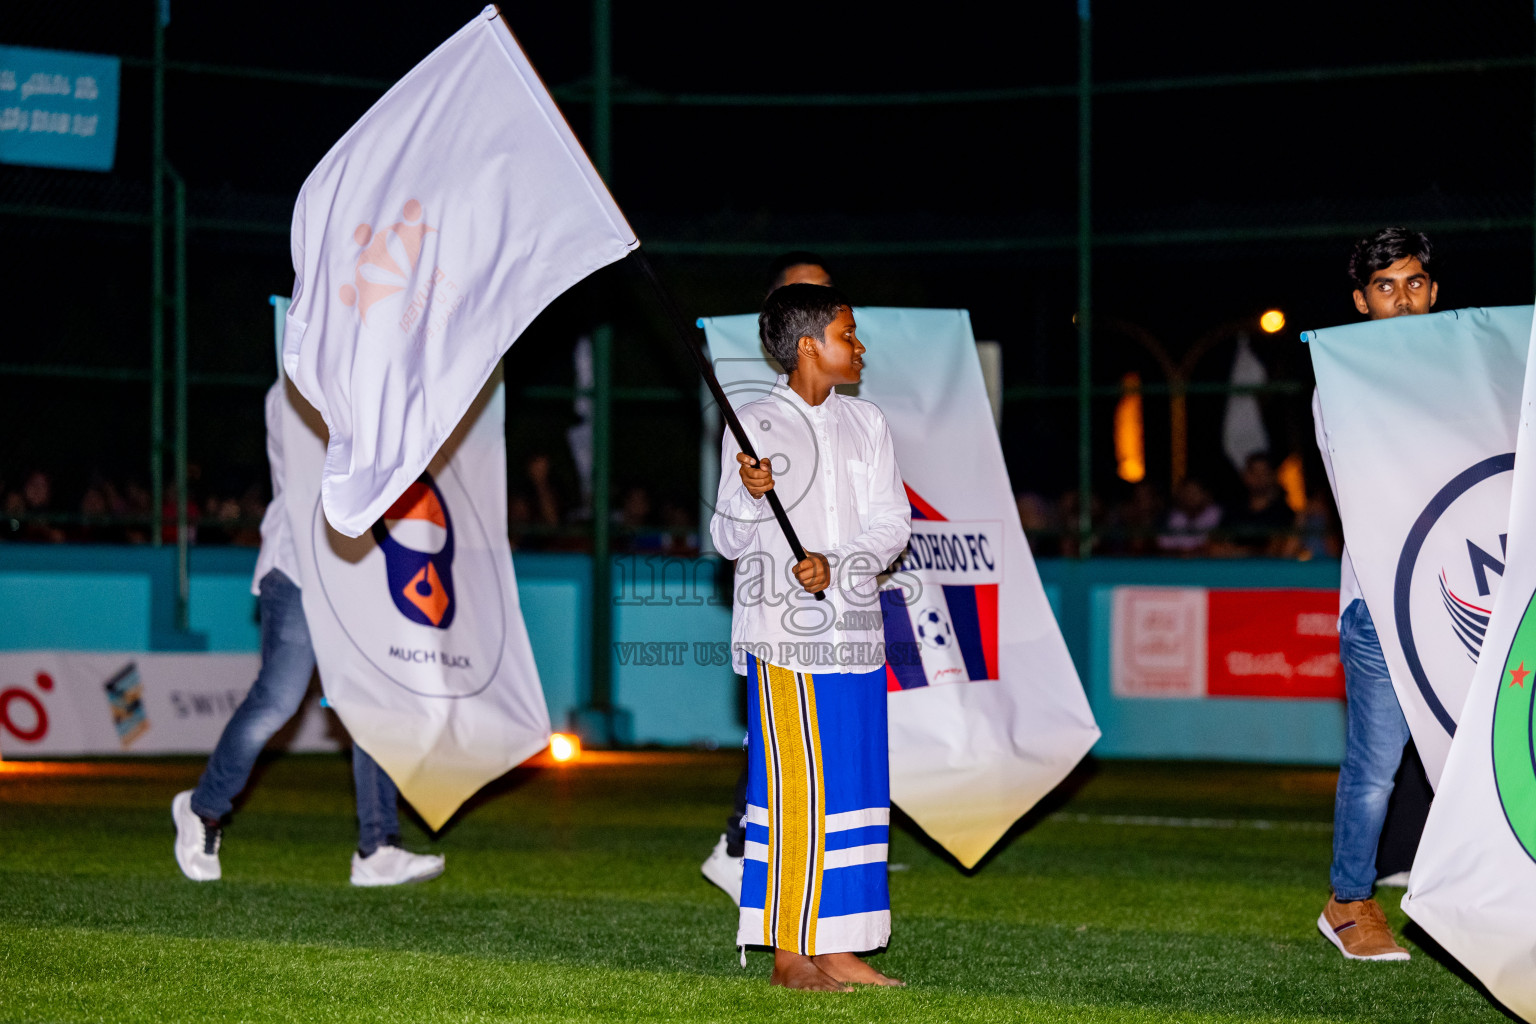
column 1190, row 642
column 1273, row 643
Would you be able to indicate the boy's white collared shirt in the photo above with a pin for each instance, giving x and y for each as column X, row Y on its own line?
column 834, row 469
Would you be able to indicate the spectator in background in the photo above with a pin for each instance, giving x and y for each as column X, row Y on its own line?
column 1071, row 530
column 798, row 267
column 681, row 533
column 1262, row 523
column 31, row 506
column 1191, row 521
column 1318, row 530
column 1040, row 527
column 535, row 504
column 137, row 503
column 252, row 509
column 1134, row 523
column 633, row 518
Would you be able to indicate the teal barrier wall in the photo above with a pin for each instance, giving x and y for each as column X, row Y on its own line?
column 670, row 631
column 1221, row 728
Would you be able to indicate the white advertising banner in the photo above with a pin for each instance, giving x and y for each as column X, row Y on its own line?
column 1420, row 414
column 424, row 243
column 1158, row 645
column 70, row 704
column 416, row 624
column 1473, row 885
column 990, row 714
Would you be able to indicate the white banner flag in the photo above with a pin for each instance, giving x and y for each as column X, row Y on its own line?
column 987, row 713
column 416, row 624
column 1473, row 886
column 425, row 242
column 1420, row 414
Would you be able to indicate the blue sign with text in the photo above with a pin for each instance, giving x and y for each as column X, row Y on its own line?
column 58, row 109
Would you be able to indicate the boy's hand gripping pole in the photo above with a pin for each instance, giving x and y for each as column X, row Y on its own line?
column 680, row 327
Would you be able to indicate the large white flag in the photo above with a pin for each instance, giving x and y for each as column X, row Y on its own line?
column 990, row 715
column 425, row 242
column 1473, row 886
column 416, row 624
column 1420, row 413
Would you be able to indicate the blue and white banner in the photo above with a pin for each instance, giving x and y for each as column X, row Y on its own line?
column 1420, row 415
column 1473, row 885
column 417, row 628
column 57, row 108
column 987, row 713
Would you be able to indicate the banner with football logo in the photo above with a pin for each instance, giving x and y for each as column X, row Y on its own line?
column 424, row 243
column 1420, row 415
column 1473, row 886
column 416, row 624
column 990, row 715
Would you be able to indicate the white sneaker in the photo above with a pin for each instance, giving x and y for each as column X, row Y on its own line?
column 725, row 870
column 197, row 845
column 390, row 865
column 1396, row 880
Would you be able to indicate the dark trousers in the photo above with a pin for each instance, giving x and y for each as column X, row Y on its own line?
column 736, row 824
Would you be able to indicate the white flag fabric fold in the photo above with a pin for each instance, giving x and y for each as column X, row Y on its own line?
column 1473, row 885
column 424, row 243
column 416, row 626
column 986, row 710
column 1242, row 427
column 1420, row 415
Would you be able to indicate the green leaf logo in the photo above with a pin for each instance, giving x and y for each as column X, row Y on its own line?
column 1514, row 752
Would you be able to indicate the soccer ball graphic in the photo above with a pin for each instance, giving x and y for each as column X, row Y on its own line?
column 933, row 629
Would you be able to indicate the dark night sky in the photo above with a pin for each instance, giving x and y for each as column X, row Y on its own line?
column 1394, row 149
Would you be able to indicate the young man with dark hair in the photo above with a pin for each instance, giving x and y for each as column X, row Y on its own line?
column 1391, row 274
column 818, row 797
column 1259, row 523
column 723, row 866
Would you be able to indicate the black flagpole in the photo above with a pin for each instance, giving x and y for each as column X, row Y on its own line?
column 684, row 338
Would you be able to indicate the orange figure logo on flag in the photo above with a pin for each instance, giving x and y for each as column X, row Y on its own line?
column 378, row 273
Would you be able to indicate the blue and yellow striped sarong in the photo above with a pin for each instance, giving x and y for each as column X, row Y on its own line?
column 818, row 812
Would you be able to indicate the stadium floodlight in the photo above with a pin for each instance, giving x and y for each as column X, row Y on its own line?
column 1273, row 321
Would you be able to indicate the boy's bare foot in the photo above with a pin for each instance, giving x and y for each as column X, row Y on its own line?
column 795, row 970
column 848, row 968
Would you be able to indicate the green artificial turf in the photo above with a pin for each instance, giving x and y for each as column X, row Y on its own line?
column 573, row 894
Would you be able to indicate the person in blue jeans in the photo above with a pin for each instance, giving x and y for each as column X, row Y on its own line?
column 1391, row 273
column 287, row 662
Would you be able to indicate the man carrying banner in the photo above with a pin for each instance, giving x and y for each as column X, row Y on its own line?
column 1391, row 273
column 723, row 867
column 814, row 887
column 287, row 662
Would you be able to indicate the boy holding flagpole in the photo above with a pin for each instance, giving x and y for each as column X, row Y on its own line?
column 814, row 886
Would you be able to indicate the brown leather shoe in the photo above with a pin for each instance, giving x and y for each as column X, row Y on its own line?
column 1360, row 930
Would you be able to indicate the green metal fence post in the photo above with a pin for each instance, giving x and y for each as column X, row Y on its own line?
column 1084, row 278
column 183, row 538
column 600, row 696
column 157, row 289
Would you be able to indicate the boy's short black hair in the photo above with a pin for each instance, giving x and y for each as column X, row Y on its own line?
column 798, row 257
column 1384, row 248
column 793, row 312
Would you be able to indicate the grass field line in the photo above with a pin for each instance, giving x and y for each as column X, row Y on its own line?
column 1156, row 821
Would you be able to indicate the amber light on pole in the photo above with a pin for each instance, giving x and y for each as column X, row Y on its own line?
column 1130, row 432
